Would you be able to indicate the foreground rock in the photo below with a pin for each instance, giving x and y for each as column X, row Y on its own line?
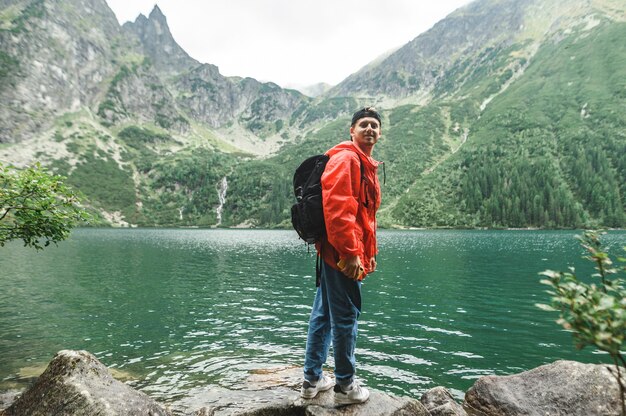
column 439, row 402
column 76, row 383
column 288, row 403
column 276, row 393
column 7, row 398
column 561, row 388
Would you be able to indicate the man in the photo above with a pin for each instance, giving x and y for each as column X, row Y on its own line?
column 351, row 197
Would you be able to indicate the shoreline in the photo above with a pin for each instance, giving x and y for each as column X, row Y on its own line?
column 559, row 388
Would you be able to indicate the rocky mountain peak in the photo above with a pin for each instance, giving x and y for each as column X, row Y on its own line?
column 158, row 43
column 157, row 15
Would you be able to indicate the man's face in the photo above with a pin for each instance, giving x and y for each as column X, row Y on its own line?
column 365, row 132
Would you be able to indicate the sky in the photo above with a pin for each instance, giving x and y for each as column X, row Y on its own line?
column 293, row 43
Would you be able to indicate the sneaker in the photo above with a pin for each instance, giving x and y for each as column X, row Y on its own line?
column 350, row 394
column 309, row 390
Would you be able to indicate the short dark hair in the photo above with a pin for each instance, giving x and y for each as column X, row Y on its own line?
column 365, row 112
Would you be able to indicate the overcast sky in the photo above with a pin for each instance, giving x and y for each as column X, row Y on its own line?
column 293, row 43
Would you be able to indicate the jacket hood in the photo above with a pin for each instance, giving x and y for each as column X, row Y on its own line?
column 349, row 145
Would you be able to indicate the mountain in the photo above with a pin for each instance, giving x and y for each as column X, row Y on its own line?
column 158, row 44
column 416, row 68
column 49, row 60
column 69, row 56
column 315, row 90
column 507, row 113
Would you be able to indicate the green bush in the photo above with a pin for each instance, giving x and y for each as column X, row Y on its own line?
column 34, row 205
column 595, row 313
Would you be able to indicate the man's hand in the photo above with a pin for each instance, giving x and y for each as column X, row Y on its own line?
column 373, row 265
column 352, row 267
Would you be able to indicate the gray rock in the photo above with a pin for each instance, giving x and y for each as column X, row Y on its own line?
column 379, row 404
column 285, row 402
column 561, row 388
column 76, row 383
column 220, row 401
column 277, row 392
column 440, row 402
column 7, row 398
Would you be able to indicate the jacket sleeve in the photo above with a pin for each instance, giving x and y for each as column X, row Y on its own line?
column 340, row 195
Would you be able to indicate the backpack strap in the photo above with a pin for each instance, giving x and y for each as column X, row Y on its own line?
column 318, row 267
column 366, row 203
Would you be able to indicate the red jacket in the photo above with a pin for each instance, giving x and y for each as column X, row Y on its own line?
column 350, row 205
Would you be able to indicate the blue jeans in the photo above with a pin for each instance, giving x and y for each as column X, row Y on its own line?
column 335, row 312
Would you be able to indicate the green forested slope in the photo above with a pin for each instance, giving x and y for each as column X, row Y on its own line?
column 550, row 151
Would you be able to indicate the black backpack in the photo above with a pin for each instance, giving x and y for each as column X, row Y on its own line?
column 307, row 214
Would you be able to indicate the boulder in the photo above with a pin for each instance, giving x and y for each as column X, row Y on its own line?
column 276, row 392
column 561, row 388
column 439, row 402
column 379, row 404
column 7, row 398
column 284, row 402
column 76, row 383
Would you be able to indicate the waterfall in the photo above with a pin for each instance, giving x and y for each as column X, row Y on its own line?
column 221, row 195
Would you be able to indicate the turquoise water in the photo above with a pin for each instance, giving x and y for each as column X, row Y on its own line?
column 178, row 309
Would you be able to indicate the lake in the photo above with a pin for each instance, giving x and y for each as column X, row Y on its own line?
column 177, row 309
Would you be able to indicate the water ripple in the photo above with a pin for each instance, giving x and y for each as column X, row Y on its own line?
column 177, row 310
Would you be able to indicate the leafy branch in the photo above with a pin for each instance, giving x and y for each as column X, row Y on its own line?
column 36, row 205
column 595, row 314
